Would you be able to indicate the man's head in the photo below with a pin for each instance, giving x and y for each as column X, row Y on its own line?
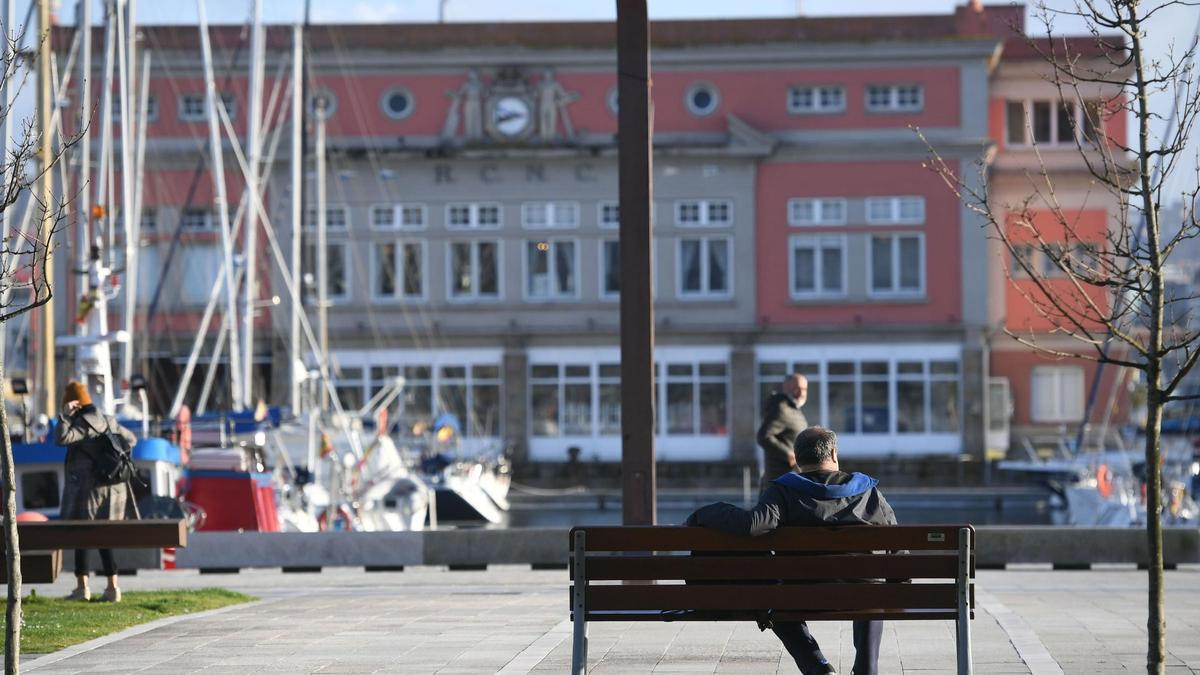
column 816, row 447
column 796, row 386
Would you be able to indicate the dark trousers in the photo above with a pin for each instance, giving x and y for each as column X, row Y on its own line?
column 107, row 567
column 804, row 648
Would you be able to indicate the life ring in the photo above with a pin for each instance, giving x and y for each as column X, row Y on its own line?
column 343, row 521
column 1104, row 481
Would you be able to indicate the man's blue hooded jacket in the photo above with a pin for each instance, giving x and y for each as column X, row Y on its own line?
column 814, row 498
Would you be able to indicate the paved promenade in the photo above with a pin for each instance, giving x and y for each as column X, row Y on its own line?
column 512, row 620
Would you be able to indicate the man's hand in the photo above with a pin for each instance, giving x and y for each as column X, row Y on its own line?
column 72, row 407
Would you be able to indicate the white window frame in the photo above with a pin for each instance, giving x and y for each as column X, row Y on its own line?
column 473, row 210
column 704, row 245
column 705, row 208
column 1059, row 401
column 818, row 107
column 894, row 206
column 386, row 208
column 399, row 295
column 820, row 206
column 474, row 296
column 551, row 213
column 606, row 447
column 816, row 242
column 1077, row 113
column 209, row 220
column 602, row 262
column 552, row 269
column 436, row 360
column 895, row 290
column 313, row 296
column 894, row 104
column 184, row 116
column 310, row 218
column 602, row 221
column 398, row 216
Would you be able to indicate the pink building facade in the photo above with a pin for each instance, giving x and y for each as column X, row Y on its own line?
column 472, row 210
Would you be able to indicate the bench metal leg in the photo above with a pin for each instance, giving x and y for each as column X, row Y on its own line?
column 964, row 602
column 578, row 610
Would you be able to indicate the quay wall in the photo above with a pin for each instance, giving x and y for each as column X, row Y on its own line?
column 997, row 547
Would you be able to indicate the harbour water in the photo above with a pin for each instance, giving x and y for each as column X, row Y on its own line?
column 980, row 506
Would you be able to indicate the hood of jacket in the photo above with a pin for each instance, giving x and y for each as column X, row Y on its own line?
column 854, row 502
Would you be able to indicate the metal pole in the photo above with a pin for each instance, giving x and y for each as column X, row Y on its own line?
column 322, row 255
column 297, row 205
column 220, row 201
column 49, row 383
column 964, row 601
column 637, row 309
column 250, row 250
column 579, row 605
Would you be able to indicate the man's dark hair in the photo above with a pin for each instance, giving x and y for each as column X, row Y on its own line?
column 815, row 445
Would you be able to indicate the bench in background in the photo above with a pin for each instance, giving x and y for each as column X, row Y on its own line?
column 42, row 543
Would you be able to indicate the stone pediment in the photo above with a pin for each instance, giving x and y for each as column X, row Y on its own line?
column 747, row 138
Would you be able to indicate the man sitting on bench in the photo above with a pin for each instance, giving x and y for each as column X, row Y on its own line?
column 819, row 494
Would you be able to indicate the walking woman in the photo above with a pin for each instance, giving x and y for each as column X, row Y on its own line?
column 81, row 429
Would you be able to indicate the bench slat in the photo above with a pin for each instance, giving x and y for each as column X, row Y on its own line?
column 740, row 568
column 846, row 539
column 37, row 567
column 868, row 614
column 101, row 534
column 820, row 596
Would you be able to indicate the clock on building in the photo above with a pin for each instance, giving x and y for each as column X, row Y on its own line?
column 511, row 116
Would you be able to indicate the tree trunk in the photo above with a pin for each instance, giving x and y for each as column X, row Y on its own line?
column 1156, row 646
column 12, row 624
column 1155, row 621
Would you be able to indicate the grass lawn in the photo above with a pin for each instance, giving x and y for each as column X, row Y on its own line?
column 54, row 623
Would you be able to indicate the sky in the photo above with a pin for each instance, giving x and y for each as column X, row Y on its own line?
column 1173, row 29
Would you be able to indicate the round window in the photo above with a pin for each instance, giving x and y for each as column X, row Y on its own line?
column 701, row 99
column 322, row 103
column 397, row 103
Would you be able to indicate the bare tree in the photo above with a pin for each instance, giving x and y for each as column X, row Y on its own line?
column 1099, row 293
column 26, row 246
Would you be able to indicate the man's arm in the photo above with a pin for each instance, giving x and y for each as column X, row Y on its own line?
column 768, row 435
column 764, row 517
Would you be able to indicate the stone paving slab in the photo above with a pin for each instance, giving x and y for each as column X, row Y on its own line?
column 512, row 620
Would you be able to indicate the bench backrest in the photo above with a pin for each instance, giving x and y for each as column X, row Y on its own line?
column 54, row 534
column 631, row 573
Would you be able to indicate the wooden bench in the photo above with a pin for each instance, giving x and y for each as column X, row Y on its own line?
column 827, row 574
column 42, row 543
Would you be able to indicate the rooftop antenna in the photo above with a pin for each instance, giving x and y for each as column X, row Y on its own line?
column 442, row 10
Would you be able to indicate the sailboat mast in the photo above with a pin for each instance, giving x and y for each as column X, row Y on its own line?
column 297, row 207
column 82, row 239
column 49, row 382
column 125, row 69
column 7, row 94
column 322, row 251
column 250, row 252
column 220, row 201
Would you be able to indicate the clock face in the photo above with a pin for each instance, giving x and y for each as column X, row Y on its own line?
column 510, row 116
